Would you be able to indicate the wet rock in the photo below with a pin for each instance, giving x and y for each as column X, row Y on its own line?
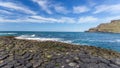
column 72, row 64
column 8, row 66
column 14, row 63
column 22, row 66
column 26, row 55
column 34, row 54
column 114, row 66
column 49, row 56
column 3, row 57
column 117, row 61
column 3, row 64
column 29, row 65
column 67, row 60
column 1, row 61
column 37, row 64
column 76, row 58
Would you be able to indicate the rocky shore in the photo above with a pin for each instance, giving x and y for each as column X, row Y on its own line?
column 15, row 53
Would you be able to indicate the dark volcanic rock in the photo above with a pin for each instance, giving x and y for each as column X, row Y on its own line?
column 16, row 53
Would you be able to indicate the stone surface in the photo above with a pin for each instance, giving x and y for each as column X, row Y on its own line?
column 72, row 64
column 16, row 53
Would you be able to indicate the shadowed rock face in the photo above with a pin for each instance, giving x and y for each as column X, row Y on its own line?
column 16, row 53
column 113, row 27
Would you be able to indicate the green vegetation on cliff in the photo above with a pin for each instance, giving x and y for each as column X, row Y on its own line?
column 113, row 27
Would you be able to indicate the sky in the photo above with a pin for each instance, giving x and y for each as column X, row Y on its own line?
column 56, row 15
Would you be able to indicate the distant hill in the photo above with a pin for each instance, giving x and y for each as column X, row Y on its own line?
column 113, row 27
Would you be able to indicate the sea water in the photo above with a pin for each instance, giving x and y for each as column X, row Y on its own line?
column 103, row 40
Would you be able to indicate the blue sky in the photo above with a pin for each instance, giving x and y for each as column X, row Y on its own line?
column 56, row 15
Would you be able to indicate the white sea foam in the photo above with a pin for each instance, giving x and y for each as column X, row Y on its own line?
column 67, row 41
column 27, row 36
column 32, row 37
column 7, row 33
column 40, row 39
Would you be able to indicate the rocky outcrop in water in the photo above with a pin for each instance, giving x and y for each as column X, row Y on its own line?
column 16, row 53
column 112, row 27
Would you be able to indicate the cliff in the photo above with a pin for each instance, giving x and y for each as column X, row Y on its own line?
column 112, row 27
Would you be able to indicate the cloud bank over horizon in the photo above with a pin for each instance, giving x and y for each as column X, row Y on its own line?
column 80, row 12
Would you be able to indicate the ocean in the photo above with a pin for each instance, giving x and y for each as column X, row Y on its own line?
column 103, row 40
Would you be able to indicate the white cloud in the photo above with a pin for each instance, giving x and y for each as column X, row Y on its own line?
column 17, row 7
column 40, row 19
column 108, row 19
column 44, row 4
column 107, row 8
column 91, row 3
column 80, row 9
column 5, row 12
column 87, row 19
column 19, row 20
column 47, row 5
column 113, row 18
column 61, row 9
column 67, row 20
column 44, row 18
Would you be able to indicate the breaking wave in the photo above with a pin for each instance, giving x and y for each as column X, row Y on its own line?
column 33, row 37
column 7, row 33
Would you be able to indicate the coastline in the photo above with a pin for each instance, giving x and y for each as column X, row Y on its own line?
column 47, row 54
column 111, row 27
